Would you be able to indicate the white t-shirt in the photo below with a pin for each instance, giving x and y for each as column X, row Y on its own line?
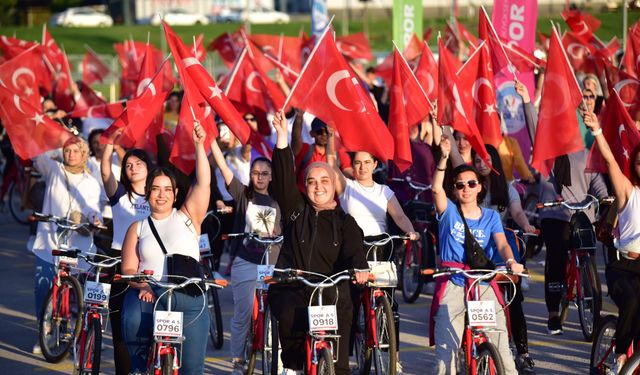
column 241, row 168
column 368, row 205
column 125, row 212
column 94, row 168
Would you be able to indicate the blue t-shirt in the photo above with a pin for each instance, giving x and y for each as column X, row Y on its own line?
column 451, row 231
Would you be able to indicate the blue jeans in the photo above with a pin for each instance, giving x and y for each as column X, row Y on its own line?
column 137, row 329
column 43, row 281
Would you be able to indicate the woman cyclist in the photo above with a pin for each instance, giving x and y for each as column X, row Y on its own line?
column 503, row 197
column 448, row 308
column 318, row 237
column 71, row 192
column 128, row 205
column 179, row 231
column 259, row 213
column 623, row 274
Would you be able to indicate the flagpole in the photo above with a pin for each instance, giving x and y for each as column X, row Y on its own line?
column 306, row 63
column 412, row 74
column 234, row 71
column 281, row 65
column 470, row 57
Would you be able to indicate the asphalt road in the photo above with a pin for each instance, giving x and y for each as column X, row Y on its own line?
column 566, row 354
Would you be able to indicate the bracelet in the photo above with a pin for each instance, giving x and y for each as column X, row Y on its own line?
column 509, row 261
column 441, row 169
column 597, row 132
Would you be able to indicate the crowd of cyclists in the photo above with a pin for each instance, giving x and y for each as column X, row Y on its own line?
column 326, row 203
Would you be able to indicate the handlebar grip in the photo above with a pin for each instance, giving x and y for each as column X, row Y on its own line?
column 428, row 271
column 225, row 210
column 65, row 253
column 221, row 282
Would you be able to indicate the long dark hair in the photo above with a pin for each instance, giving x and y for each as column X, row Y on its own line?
column 635, row 177
column 124, row 180
column 156, row 172
column 469, row 168
column 497, row 183
column 250, row 190
column 93, row 133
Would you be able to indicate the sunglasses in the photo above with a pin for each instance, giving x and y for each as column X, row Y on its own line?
column 471, row 183
column 587, row 97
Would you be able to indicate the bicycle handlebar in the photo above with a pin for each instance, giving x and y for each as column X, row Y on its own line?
column 471, row 274
column 386, row 240
column 414, row 185
column 255, row 237
column 219, row 211
column 291, row 275
column 108, row 262
column 64, row 223
column 147, row 277
column 576, row 206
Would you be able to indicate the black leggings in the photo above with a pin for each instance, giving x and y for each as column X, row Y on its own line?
column 116, row 300
column 518, row 323
column 556, row 237
column 623, row 280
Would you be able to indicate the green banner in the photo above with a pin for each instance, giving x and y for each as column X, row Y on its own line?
column 407, row 19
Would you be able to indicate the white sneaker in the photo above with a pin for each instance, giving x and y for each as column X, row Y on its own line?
column 238, row 368
column 524, row 283
column 398, row 367
column 288, row 371
column 36, row 348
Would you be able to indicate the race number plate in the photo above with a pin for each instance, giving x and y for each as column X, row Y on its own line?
column 482, row 313
column 323, row 318
column 167, row 323
column 205, row 246
column 263, row 271
column 97, row 293
column 68, row 260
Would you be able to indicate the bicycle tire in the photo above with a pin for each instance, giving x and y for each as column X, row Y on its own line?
column 250, row 354
column 166, row 364
column 534, row 245
column 601, row 344
column 91, row 348
column 216, row 332
column 325, row 364
column 16, row 208
column 632, row 365
column 385, row 352
column 362, row 351
column 54, row 334
column 488, row 360
column 271, row 345
column 412, row 280
column 589, row 312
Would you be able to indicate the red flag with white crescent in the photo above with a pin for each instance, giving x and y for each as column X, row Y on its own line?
column 427, row 73
column 93, row 69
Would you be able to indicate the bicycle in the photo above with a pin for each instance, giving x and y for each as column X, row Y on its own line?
column 477, row 355
column 61, row 318
column 375, row 331
column 322, row 335
column 216, row 330
column 87, row 346
column 416, row 254
column 603, row 357
column 168, row 325
column 263, row 331
column 582, row 283
column 20, row 206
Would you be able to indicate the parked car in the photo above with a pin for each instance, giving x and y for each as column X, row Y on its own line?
column 81, row 17
column 228, row 15
column 180, row 17
column 264, row 15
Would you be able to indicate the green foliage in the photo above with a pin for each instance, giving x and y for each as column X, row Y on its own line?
column 7, row 11
column 60, row 5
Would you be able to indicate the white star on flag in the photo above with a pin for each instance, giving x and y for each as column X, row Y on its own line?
column 215, row 91
column 489, row 109
column 625, row 153
column 28, row 91
column 38, row 118
column 137, row 110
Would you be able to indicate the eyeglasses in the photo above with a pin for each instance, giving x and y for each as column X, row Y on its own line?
column 587, row 97
column 260, row 174
column 471, row 183
column 250, row 119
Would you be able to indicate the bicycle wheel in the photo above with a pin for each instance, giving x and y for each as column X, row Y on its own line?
column 590, row 302
column 325, row 363
column 90, row 349
column 412, row 280
column 632, row 365
column 166, row 363
column 385, row 351
column 270, row 357
column 488, row 360
column 603, row 357
column 361, row 350
column 17, row 209
column 215, row 318
column 249, row 353
column 60, row 324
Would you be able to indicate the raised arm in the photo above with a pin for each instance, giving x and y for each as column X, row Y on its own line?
column 332, row 160
column 108, row 179
column 197, row 201
column 285, row 191
column 437, row 188
column 622, row 187
column 296, row 132
column 456, row 158
column 221, row 162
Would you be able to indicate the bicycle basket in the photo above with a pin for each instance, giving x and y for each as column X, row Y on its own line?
column 386, row 274
column 582, row 233
column 419, row 211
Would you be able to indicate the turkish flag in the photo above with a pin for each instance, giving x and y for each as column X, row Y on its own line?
column 308, row 42
column 544, row 41
column 427, row 73
column 466, row 35
column 327, row 89
column 105, row 110
column 228, row 46
column 198, row 50
column 455, row 103
column 521, row 59
column 12, row 47
column 411, row 52
column 561, row 96
column 631, row 59
column 260, row 144
column 87, row 98
column 451, row 40
column 626, row 86
column 621, row 134
column 23, row 73
column 476, row 77
column 51, row 50
column 189, row 65
column 486, row 32
column 580, row 54
column 93, row 69
column 427, row 34
column 281, row 51
column 62, row 89
column 408, row 106
column 31, row 132
column 583, row 24
column 355, row 46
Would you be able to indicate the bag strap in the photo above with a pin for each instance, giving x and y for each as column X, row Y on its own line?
column 467, row 232
column 157, row 236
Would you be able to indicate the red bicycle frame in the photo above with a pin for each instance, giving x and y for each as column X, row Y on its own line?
column 257, row 319
column 370, row 314
column 317, row 345
column 572, row 275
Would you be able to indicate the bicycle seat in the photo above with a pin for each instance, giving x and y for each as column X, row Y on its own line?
column 582, row 233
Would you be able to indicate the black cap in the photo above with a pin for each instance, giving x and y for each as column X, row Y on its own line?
column 317, row 124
